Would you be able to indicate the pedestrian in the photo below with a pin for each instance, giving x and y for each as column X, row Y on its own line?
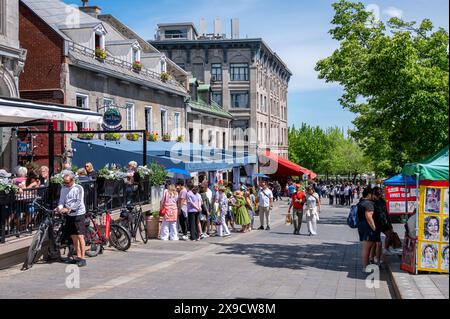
column 182, row 209
column 250, row 200
column 131, row 182
column 90, row 171
column 194, row 200
column 369, row 235
column 348, row 194
column 383, row 224
column 342, row 194
column 169, row 224
column 265, row 198
column 312, row 210
column 230, row 214
column 71, row 203
column 222, row 228
column 44, row 177
column 331, row 194
column 241, row 214
column 206, row 210
column 298, row 202
column 82, row 176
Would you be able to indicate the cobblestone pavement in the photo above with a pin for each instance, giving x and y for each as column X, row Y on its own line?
column 262, row 264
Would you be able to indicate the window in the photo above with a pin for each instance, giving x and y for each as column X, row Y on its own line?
column 163, row 66
column 217, row 139
column 191, row 135
column 176, row 34
column 182, row 65
column 210, row 138
column 177, row 120
column 216, row 72
column 130, row 116
column 201, row 137
column 163, row 122
column 224, row 140
column 83, row 102
column 265, row 104
column 107, row 103
column 217, row 97
column 239, row 72
column 149, row 115
column 239, row 100
column 136, row 55
column 240, row 130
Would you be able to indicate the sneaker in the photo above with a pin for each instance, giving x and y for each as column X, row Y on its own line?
column 82, row 263
column 227, row 235
column 268, row 228
column 203, row 236
column 184, row 237
column 261, row 228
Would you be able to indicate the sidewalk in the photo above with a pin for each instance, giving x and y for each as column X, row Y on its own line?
column 422, row 286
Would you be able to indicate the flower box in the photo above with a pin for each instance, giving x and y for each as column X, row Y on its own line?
column 133, row 137
column 167, row 138
column 101, row 54
column 137, row 66
column 165, row 77
column 152, row 137
column 112, row 136
column 86, row 136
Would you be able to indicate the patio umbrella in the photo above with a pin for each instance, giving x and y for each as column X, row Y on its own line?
column 178, row 173
column 261, row 175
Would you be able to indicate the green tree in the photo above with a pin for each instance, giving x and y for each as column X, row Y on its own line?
column 395, row 78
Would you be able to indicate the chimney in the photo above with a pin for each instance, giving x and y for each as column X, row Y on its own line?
column 217, row 27
column 93, row 11
column 235, row 28
column 202, row 26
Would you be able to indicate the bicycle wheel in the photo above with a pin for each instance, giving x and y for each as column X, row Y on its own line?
column 35, row 248
column 93, row 242
column 120, row 238
column 143, row 230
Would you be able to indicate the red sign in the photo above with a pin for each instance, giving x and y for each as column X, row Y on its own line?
column 400, row 197
column 70, row 126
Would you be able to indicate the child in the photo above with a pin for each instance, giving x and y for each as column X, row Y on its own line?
column 222, row 228
column 230, row 213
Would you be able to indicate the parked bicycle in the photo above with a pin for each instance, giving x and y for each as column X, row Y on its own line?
column 102, row 230
column 132, row 218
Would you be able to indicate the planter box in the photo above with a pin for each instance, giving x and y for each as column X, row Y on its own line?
column 153, row 227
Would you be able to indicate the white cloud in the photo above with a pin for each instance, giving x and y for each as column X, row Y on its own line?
column 394, row 12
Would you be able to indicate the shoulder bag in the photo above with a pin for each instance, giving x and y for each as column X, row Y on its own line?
column 163, row 209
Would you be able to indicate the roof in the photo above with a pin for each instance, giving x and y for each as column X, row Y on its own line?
column 204, row 87
column 399, row 180
column 434, row 168
column 122, row 42
column 213, row 108
column 283, row 166
column 179, row 24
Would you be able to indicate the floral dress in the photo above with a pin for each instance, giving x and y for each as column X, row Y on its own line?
column 241, row 215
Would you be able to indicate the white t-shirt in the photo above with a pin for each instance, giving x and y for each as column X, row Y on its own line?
column 264, row 196
column 311, row 201
column 209, row 195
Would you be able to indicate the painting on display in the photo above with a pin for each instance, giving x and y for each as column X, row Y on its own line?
column 446, row 201
column 429, row 256
column 433, row 200
column 431, row 228
column 444, row 258
column 445, row 230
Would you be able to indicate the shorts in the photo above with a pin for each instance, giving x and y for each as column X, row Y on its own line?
column 76, row 225
column 367, row 234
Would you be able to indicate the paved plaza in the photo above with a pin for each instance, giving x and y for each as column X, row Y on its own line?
column 262, row 264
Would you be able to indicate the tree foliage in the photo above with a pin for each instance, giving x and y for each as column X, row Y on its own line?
column 395, row 78
column 326, row 151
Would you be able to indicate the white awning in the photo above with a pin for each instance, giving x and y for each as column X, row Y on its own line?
column 22, row 111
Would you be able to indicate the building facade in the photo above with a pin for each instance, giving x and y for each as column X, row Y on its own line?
column 12, row 59
column 247, row 79
column 76, row 58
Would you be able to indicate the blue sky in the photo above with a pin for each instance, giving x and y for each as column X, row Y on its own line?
column 296, row 30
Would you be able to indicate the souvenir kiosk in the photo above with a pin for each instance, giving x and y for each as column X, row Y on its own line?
column 428, row 247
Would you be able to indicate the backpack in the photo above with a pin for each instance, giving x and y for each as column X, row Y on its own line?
column 352, row 219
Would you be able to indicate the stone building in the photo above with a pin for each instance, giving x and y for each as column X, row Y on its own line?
column 65, row 66
column 246, row 77
column 12, row 59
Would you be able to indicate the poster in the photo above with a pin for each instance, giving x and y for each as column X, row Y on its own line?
column 445, row 230
column 444, row 258
column 431, row 227
column 396, row 198
column 409, row 255
column 446, row 201
column 429, row 256
column 396, row 207
column 433, row 200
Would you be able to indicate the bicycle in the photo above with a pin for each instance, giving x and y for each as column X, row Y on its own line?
column 133, row 220
column 104, row 232
column 50, row 229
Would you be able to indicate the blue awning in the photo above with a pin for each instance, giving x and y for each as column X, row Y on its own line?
column 399, row 180
column 184, row 156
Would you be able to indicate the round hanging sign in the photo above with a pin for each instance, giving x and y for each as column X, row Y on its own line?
column 112, row 119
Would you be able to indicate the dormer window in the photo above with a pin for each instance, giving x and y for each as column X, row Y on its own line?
column 99, row 37
column 163, row 66
column 136, row 55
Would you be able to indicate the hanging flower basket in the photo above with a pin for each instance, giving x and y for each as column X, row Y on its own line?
column 180, row 139
column 165, row 77
column 133, row 137
column 167, row 138
column 152, row 137
column 112, row 136
column 101, row 54
column 137, row 66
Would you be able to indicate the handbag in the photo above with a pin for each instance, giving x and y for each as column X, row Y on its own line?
column 288, row 219
column 163, row 209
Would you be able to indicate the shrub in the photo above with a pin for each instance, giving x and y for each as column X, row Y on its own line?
column 137, row 66
column 180, row 139
column 167, row 138
column 86, row 136
column 101, row 53
column 112, row 136
column 158, row 175
column 133, row 137
column 165, row 77
column 152, row 136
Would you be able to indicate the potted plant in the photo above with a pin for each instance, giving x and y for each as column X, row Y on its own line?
column 167, row 138
column 112, row 136
column 152, row 136
column 137, row 66
column 153, row 224
column 133, row 137
column 86, row 136
column 180, row 139
column 165, row 77
column 101, row 54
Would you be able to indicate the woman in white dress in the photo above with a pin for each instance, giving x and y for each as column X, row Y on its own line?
column 312, row 210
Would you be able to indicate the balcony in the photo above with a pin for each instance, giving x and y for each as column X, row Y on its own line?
column 114, row 67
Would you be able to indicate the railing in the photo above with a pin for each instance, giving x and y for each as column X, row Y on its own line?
column 111, row 60
column 18, row 216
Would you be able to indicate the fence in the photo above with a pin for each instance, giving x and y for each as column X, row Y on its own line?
column 18, row 215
